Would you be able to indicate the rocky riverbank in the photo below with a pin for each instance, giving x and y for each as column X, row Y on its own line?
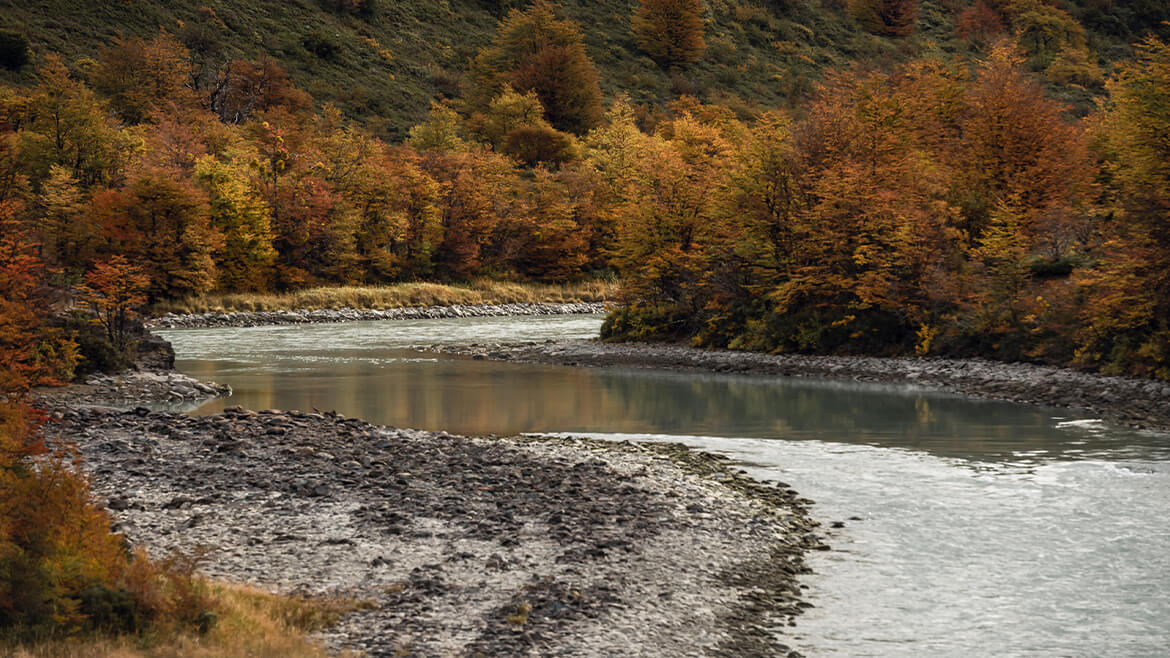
column 264, row 318
column 461, row 545
column 1137, row 402
column 133, row 388
column 464, row 546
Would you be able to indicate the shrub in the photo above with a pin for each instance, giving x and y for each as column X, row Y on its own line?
column 97, row 352
column 534, row 144
column 661, row 322
column 322, row 44
column 110, row 610
column 14, row 50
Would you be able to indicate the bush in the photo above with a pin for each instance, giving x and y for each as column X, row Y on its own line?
column 535, row 144
column 110, row 610
column 322, row 44
column 97, row 353
column 649, row 323
column 14, row 49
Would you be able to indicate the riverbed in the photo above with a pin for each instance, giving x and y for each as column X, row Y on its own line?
column 970, row 527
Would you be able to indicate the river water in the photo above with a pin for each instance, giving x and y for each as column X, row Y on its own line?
column 972, row 528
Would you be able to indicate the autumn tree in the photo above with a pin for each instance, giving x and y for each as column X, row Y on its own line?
column 243, row 89
column 160, row 222
column 68, row 239
column 877, row 231
column 1128, row 312
column 535, row 50
column 761, row 208
column 65, row 124
column 439, row 132
column 545, row 238
column 895, row 18
column 400, row 227
column 139, row 76
column 978, row 24
column 666, row 211
column 238, row 212
column 55, row 541
column 114, row 290
column 514, row 124
column 477, row 190
column 1016, row 147
column 33, row 353
column 669, row 31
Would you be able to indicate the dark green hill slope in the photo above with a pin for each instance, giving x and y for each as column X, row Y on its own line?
column 384, row 60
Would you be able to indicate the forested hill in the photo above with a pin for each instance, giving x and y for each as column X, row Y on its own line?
column 383, row 61
column 981, row 177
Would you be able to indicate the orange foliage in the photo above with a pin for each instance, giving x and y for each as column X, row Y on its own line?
column 245, row 88
column 114, row 290
column 670, row 31
column 139, row 76
column 537, row 51
column 31, row 353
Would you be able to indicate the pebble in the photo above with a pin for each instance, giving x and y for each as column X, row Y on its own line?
column 265, row 318
column 463, row 546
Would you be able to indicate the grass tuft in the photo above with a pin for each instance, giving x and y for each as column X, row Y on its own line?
column 251, row 623
column 481, row 291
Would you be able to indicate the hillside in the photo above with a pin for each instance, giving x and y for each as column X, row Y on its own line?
column 383, row 61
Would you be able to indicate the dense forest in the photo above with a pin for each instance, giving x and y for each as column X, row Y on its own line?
column 941, row 204
column 860, row 176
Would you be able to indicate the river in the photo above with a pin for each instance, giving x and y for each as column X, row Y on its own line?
column 970, row 527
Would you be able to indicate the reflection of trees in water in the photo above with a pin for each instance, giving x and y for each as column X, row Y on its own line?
column 482, row 396
column 796, row 408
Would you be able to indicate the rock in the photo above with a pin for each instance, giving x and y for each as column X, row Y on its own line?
column 118, row 504
column 451, row 536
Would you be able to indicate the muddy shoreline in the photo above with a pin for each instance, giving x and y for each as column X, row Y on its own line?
column 1141, row 403
column 495, row 546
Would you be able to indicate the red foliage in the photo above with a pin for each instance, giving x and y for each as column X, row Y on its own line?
column 978, row 24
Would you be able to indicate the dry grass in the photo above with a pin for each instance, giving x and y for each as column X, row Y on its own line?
column 482, row 291
column 251, row 623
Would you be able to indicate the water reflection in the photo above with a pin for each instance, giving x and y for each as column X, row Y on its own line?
column 362, row 370
column 986, row 528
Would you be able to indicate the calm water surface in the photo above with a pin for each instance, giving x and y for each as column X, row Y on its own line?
column 987, row 529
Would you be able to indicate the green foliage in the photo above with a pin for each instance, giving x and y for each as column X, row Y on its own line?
column 109, row 610
column 894, row 18
column 322, row 43
column 95, row 348
column 647, row 323
column 399, row 56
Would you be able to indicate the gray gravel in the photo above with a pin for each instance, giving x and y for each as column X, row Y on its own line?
column 131, row 388
column 466, row 546
column 1138, row 402
column 262, row 318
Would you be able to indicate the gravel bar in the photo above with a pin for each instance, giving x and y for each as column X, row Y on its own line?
column 462, row 546
column 490, row 546
column 264, row 318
